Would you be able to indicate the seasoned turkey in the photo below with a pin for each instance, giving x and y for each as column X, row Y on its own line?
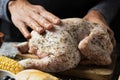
column 63, row 47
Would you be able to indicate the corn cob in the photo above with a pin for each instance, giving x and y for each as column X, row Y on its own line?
column 10, row 65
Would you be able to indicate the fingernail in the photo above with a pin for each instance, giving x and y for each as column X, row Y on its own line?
column 40, row 30
column 48, row 26
column 27, row 36
column 57, row 21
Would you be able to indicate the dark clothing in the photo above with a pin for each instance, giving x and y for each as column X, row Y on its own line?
column 115, row 26
column 62, row 9
column 109, row 8
column 3, row 10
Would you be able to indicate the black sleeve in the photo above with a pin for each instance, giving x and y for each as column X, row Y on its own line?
column 109, row 8
column 4, row 10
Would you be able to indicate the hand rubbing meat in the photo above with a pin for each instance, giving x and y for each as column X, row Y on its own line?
column 60, row 48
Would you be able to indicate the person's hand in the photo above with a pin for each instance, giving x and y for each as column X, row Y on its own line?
column 24, row 14
column 95, row 16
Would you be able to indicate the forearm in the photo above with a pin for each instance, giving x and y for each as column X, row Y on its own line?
column 108, row 8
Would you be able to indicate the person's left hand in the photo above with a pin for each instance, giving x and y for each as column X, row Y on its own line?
column 95, row 16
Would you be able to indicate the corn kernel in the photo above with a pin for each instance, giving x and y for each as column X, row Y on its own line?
column 10, row 65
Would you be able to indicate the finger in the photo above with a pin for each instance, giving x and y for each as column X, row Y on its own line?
column 49, row 16
column 33, row 24
column 42, row 21
column 23, row 29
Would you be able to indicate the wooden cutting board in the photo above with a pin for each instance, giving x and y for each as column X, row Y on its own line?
column 92, row 72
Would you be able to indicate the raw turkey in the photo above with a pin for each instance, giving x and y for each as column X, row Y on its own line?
column 63, row 47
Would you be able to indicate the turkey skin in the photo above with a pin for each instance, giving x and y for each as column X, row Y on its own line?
column 65, row 45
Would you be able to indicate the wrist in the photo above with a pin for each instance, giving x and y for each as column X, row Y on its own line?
column 95, row 16
column 13, row 4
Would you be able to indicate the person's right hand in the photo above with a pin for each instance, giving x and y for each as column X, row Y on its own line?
column 24, row 14
column 95, row 16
